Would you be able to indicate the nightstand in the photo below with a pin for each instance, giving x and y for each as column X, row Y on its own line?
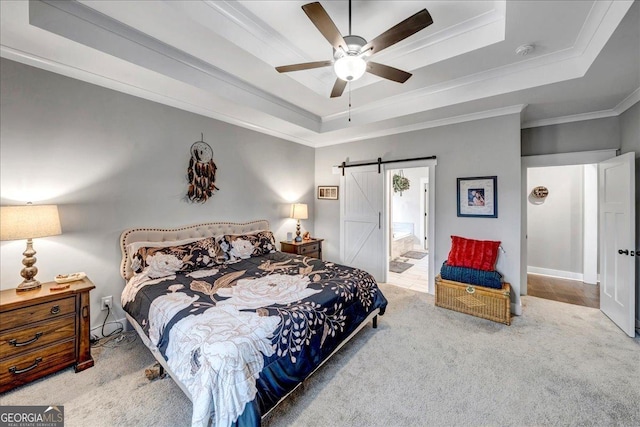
column 311, row 248
column 43, row 331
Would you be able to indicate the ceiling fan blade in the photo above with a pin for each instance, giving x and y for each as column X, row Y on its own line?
column 400, row 32
column 387, row 72
column 303, row 66
column 338, row 88
column 325, row 25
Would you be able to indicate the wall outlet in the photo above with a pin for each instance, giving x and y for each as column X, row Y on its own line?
column 107, row 302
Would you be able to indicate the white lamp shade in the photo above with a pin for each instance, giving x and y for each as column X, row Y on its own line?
column 29, row 221
column 350, row 68
column 299, row 211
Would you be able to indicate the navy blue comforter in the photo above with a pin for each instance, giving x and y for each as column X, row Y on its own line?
column 241, row 335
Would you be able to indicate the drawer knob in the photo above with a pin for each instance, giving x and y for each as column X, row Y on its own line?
column 14, row 342
column 55, row 309
column 470, row 289
column 14, row 370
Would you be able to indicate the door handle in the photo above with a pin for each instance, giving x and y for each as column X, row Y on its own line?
column 379, row 220
column 623, row 252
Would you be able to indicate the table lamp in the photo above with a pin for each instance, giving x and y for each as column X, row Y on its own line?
column 29, row 222
column 299, row 211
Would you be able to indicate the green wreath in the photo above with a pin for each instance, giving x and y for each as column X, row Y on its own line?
column 400, row 183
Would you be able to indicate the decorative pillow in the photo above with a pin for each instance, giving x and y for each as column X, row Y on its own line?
column 489, row 279
column 203, row 253
column 242, row 246
column 132, row 248
column 478, row 254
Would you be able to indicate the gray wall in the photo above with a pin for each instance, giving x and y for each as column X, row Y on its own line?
column 113, row 161
column 630, row 141
column 479, row 148
column 588, row 135
column 555, row 226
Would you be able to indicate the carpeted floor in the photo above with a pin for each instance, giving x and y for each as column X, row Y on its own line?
column 558, row 364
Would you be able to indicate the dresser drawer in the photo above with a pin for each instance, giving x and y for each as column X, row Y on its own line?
column 16, row 341
column 307, row 249
column 28, row 315
column 21, row 369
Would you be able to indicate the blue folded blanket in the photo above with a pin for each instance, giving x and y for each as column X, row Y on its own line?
column 489, row 279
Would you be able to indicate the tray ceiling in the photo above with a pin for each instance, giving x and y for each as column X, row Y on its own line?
column 217, row 58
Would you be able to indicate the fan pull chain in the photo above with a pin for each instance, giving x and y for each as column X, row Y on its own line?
column 349, row 101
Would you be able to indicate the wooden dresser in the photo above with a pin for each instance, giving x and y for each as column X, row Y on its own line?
column 43, row 331
column 311, row 248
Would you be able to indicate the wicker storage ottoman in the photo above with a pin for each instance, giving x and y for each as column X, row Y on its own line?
column 488, row 303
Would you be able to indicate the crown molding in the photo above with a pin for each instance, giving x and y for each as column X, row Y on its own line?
column 554, row 67
column 569, row 119
column 141, row 92
column 623, row 106
column 99, row 31
column 479, row 115
column 628, row 102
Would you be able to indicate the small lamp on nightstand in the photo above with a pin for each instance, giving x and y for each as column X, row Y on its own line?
column 299, row 211
column 29, row 222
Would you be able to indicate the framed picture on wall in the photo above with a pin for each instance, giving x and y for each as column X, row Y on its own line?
column 328, row 192
column 478, row 197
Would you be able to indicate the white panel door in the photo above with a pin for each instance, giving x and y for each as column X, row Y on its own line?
column 361, row 220
column 616, row 214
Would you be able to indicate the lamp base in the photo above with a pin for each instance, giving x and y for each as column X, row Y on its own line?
column 29, row 271
column 298, row 238
column 28, row 285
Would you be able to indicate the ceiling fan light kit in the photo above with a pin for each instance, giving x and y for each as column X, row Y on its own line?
column 350, row 68
column 350, row 53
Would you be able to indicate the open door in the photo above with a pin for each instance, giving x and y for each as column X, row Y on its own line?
column 361, row 220
column 616, row 216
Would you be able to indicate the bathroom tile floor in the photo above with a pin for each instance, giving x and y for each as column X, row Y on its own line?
column 415, row 278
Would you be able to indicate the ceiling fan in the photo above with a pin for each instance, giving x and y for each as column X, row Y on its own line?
column 351, row 53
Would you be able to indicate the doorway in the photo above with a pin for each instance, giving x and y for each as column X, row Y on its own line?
column 408, row 227
column 615, row 231
column 562, row 233
column 365, row 225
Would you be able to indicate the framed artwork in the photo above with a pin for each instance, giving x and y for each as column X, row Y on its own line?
column 478, row 197
column 328, row 192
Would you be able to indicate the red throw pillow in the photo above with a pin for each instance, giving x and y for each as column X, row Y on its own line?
column 469, row 253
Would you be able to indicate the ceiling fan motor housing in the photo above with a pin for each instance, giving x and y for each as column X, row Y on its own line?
column 354, row 45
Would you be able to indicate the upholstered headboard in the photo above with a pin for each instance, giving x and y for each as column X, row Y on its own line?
column 171, row 234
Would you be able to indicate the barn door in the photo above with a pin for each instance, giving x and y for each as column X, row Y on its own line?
column 616, row 214
column 361, row 220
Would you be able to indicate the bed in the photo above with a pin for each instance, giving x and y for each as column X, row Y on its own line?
column 237, row 324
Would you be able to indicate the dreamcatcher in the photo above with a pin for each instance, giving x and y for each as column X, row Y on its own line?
column 201, row 173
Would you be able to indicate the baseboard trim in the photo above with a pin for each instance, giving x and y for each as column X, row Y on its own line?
column 570, row 275
column 516, row 308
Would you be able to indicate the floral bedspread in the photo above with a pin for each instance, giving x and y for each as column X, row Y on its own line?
column 242, row 335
